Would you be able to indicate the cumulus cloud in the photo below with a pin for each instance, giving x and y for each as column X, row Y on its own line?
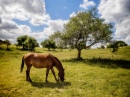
column 32, row 10
column 7, row 24
column 86, row 4
column 72, row 14
column 54, row 25
column 8, row 29
column 24, row 10
column 12, row 34
column 117, row 11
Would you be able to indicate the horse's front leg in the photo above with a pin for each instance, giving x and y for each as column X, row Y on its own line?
column 54, row 74
column 47, row 72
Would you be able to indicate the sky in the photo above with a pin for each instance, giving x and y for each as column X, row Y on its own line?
column 41, row 18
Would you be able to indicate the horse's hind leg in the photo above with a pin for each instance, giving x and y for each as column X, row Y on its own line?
column 28, row 74
column 47, row 72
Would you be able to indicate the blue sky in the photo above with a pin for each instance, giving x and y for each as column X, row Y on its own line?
column 61, row 9
column 41, row 18
column 58, row 9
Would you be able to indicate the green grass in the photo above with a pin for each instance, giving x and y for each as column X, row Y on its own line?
column 99, row 74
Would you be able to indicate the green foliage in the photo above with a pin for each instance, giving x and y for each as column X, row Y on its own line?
column 121, row 43
column 27, row 42
column 6, row 42
column 30, row 43
column 1, row 42
column 57, row 37
column 102, row 47
column 115, row 45
column 21, row 40
column 48, row 44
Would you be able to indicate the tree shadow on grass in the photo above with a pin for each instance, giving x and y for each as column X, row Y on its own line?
column 111, row 63
column 50, row 84
column 103, row 62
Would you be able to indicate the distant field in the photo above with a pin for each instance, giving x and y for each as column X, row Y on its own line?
column 100, row 74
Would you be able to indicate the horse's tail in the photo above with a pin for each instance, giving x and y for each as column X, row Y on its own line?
column 22, row 64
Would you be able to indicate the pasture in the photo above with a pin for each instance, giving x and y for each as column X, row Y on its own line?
column 99, row 74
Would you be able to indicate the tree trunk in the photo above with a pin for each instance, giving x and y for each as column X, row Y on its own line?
column 7, row 47
column 23, row 47
column 79, row 54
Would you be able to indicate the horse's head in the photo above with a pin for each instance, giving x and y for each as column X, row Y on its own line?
column 61, row 74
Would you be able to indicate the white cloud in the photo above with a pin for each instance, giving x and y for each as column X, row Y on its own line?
column 86, row 4
column 24, row 29
column 117, row 11
column 8, row 29
column 72, row 14
column 54, row 25
column 12, row 34
column 32, row 10
column 8, row 24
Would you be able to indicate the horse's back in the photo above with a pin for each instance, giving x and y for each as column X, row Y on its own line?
column 38, row 60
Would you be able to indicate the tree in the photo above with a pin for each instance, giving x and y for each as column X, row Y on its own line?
column 86, row 28
column 121, row 43
column 1, row 42
column 48, row 44
column 7, row 42
column 102, row 47
column 30, row 43
column 27, row 42
column 114, row 45
column 21, row 41
column 57, row 37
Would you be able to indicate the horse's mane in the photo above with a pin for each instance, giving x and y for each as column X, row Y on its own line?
column 58, row 62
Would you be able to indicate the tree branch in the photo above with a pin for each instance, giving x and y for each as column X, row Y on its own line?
column 91, row 44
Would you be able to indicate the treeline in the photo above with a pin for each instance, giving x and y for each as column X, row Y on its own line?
column 25, row 42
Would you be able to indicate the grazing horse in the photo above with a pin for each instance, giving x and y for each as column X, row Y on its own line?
column 42, row 61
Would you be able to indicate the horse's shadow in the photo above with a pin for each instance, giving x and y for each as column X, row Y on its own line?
column 50, row 84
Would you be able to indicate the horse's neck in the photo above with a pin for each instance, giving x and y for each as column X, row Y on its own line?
column 59, row 67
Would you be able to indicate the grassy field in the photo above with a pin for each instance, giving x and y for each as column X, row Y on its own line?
column 99, row 74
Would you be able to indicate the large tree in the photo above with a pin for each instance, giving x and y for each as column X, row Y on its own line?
column 86, row 29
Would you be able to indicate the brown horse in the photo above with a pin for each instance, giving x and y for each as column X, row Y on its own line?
column 42, row 61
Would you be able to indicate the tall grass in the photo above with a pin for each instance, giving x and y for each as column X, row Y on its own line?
column 100, row 74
